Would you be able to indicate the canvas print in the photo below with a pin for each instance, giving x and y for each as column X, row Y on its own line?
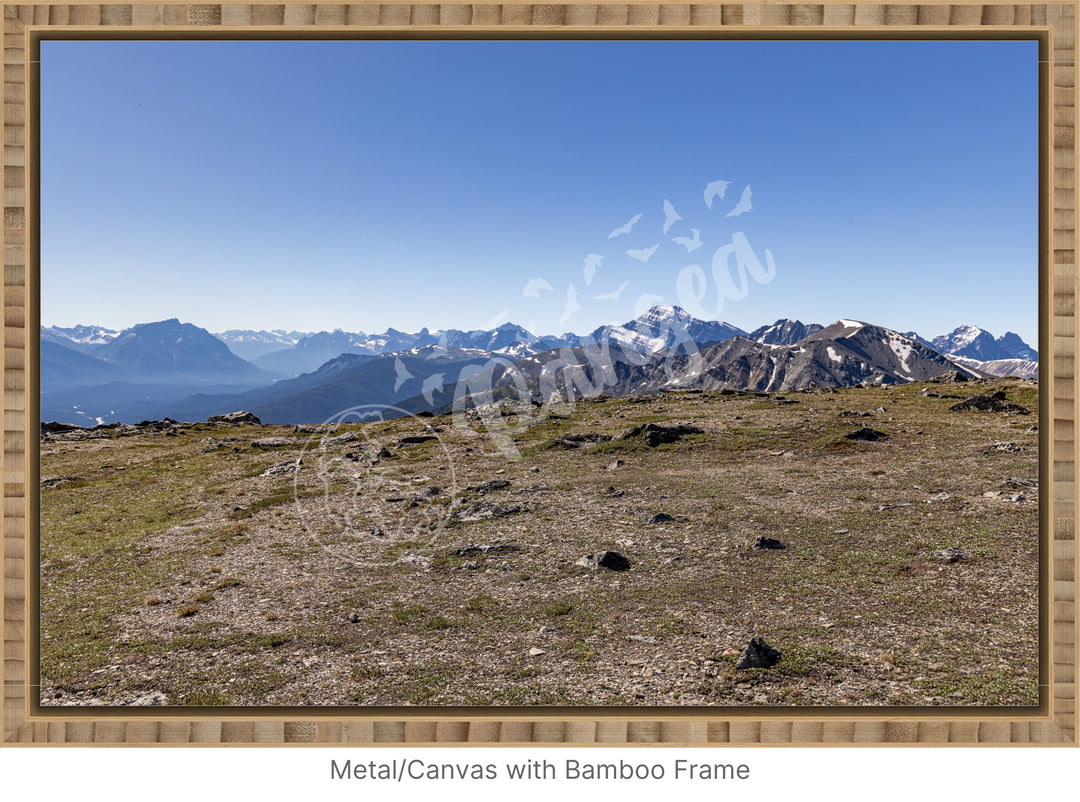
column 539, row 373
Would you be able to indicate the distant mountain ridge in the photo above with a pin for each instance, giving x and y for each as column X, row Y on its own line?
column 180, row 370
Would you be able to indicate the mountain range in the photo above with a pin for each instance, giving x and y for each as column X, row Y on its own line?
column 91, row 374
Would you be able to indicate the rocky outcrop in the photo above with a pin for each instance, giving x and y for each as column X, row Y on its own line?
column 235, row 418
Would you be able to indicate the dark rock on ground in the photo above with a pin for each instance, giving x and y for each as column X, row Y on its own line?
column 611, row 492
column 52, row 427
column 758, row 654
column 1002, row 446
column 615, row 465
column 384, row 453
column 761, row 543
column 235, row 418
column 661, row 518
column 414, row 439
column 866, row 434
column 494, row 484
column 655, row 434
column 611, row 560
column 988, row 403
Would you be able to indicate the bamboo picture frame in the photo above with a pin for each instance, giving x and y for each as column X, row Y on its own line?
column 1052, row 722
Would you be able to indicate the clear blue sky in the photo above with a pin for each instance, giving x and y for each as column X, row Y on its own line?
column 361, row 185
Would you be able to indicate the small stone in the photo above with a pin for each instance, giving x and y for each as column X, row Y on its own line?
column 866, row 434
column 611, row 560
column 616, row 465
column 292, row 466
column 841, row 531
column 758, row 654
column 354, row 618
column 494, row 484
column 384, row 453
column 611, row 492
column 644, row 639
column 762, row 543
column 534, row 469
column 953, row 554
column 661, row 518
column 414, row 439
column 535, row 652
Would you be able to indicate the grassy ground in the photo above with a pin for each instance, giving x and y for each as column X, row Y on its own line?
column 194, row 577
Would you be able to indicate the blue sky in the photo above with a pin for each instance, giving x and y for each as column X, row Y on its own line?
column 361, row 185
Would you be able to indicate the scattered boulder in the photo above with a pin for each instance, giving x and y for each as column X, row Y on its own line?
column 655, row 434
column 485, row 487
column 1002, row 446
column 611, row 560
column 988, row 403
column 235, row 418
column 850, row 413
column 341, row 439
column 291, row 466
column 661, row 518
column 615, row 465
column 611, row 492
column 419, row 560
column 52, row 427
column 579, row 440
column 414, row 439
column 758, row 654
column 272, row 442
column 866, row 434
column 384, row 453
column 56, row 481
column 953, row 554
column 483, row 511
column 1013, row 481
column 950, row 376
column 762, row 543
column 501, row 548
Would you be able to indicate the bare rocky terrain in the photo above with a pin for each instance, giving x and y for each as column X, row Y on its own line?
column 428, row 561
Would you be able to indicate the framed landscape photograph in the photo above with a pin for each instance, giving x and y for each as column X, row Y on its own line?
column 613, row 374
